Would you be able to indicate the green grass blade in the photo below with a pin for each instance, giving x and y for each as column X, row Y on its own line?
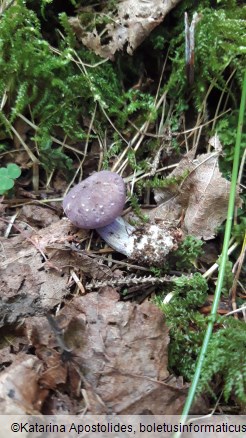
column 231, row 204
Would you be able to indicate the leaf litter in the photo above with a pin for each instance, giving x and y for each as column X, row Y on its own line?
column 129, row 26
column 104, row 350
column 99, row 354
column 202, row 196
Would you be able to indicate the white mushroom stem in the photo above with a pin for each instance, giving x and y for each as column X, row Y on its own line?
column 148, row 244
column 119, row 235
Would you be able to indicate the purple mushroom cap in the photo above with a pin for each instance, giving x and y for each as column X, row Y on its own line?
column 96, row 201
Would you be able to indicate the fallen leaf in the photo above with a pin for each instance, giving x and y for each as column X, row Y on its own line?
column 31, row 284
column 26, row 287
column 159, row 399
column 59, row 403
column 36, row 215
column 208, row 197
column 129, row 26
column 53, row 240
column 203, row 196
column 123, row 353
column 55, row 370
column 19, row 388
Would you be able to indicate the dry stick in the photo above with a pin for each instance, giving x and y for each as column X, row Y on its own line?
column 185, row 136
column 239, row 309
column 240, row 175
column 159, row 130
column 27, row 149
column 186, row 131
column 239, row 264
column 27, row 238
column 221, row 97
column 5, row 7
column 33, row 202
column 54, row 139
column 203, row 111
column 49, row 178
column 142, row 132
column 85, row 152
column 114, row 168
column 150, row 134
column 113, row 126
column 82, row 66
column 35, row 178
column 242, row 254
column 78, row 282
column 103, row 149
column 240, row 172
column 204, row 124
column 215, row 266
column 7, row 152
column 142, row 136
column 200, row 117
column 79, row 62
column 4, row 99
column 161, row 76
column 9, row 227
column 146, row 175
column 136, row 138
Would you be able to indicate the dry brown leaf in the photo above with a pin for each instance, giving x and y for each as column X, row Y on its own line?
column 59, row 403
column 36, row 215
column 202, row 196
column 59, row 232
column 19, row 388
column 55, row 372
column 30, row 285
column 22, row 128
column 6, row 357
column 26, row 287
column 131, row 24
column 208, row 197
column 124, row 353
column 159, row 399
column 58, row 370
column 53, row 241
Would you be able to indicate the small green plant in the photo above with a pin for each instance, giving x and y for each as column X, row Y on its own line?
column 226, row 358
column 46, row 85
column 7, row 176
column 169, row 182
column 228, row 277
column 187, row 253
column 187, row 324
column 220, row 42
column 136, row 208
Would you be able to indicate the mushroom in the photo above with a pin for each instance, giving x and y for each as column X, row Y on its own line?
column 97, row 203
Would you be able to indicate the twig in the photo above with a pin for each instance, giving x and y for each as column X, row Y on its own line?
column 129, row 280
column 239, row 264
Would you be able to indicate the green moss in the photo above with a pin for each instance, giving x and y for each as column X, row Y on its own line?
column 187, row 325
column 226, row 358
column 185, row 257
column 50, row 83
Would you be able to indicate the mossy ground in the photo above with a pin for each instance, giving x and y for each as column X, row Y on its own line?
column 82, row 114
